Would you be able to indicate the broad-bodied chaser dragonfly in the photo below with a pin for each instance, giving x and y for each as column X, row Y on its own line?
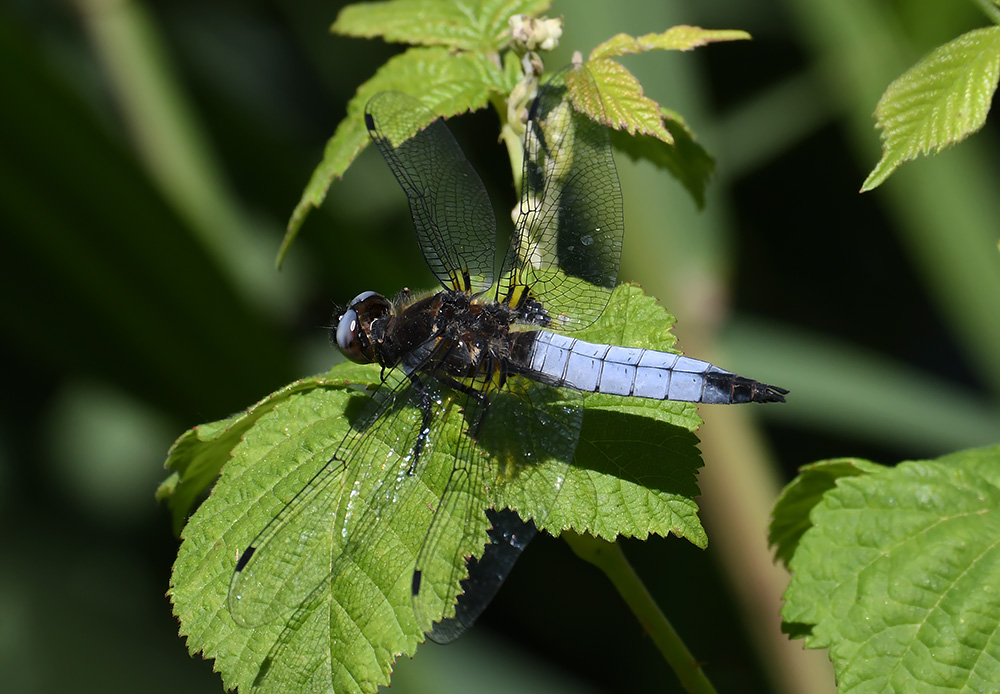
column 485, row 341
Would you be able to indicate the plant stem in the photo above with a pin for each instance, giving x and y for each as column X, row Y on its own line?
column 511, row 138
column 990, row 9
column 609, row 558
column 168, row 138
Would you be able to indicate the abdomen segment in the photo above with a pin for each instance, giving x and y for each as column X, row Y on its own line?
column 566, row 362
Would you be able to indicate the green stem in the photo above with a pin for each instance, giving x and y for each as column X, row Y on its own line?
column 511, row 138
column 610, row 559
column 990, row 9
column 168, row 139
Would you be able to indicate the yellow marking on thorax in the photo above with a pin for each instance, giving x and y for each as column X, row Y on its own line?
column 483, row 383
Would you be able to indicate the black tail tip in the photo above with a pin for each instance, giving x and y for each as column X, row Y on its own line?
column 763, row 392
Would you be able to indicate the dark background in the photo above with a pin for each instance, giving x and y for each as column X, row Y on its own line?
column 140, row 219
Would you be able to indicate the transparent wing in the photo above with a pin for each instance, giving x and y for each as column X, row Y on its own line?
column 278, row 569
column 455, row 223
column 527, row 432
column 509, row 535
column 294, row 554
column 566, row 247
column 327, row 537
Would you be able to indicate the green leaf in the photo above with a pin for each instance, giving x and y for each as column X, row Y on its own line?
column 272, row 460
column 678, row 38
column 790, row 518
column 896, row 576
column 447, row 83
column 633, row 474
column 939, row 101
column 197, row 457
column 459, row 24
column 685, row 160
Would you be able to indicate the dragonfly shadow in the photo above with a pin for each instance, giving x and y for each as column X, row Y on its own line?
column 547, row 451
column 557, row 432
column 262, row 672
column 645, row 451
column 361, row 406
column 531, row 437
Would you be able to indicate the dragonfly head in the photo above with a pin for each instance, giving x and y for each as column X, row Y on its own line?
column 353, row 330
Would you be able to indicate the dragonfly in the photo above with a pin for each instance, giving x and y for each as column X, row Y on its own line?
column 497, row 339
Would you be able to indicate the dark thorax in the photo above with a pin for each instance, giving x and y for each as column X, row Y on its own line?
column 451, row 335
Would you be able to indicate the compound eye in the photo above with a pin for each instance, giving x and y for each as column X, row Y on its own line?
column 366, row 313
column 361, row 297
column 349, row 338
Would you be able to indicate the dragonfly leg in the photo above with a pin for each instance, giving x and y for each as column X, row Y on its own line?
column 425, row 405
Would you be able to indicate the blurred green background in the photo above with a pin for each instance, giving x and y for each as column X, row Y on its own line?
column 150, row 154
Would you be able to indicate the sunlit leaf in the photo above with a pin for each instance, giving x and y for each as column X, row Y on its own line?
column 790, row 518
column 896, row 575
column 472, row 25
column 197, row 457
column 939, row 101
column 633, row 474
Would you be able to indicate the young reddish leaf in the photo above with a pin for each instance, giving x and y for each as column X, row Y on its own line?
column 678, row 38
column 614, row 97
